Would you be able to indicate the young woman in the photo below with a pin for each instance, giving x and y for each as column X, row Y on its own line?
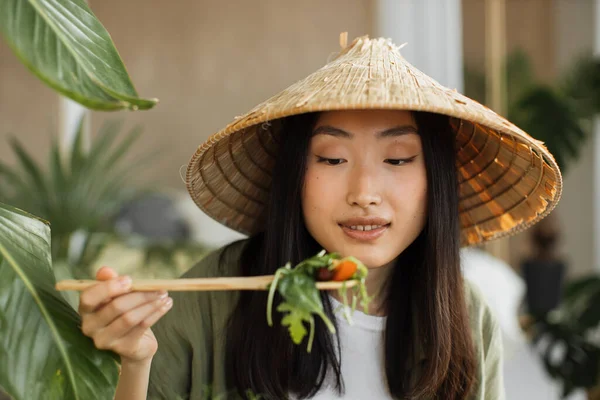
column 365, row 157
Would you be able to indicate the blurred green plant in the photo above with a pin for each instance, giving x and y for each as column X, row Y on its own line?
column 569, row 336
column 79, row 193
column 560, row 114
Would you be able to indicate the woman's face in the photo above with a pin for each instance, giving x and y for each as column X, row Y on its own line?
column 365, row 187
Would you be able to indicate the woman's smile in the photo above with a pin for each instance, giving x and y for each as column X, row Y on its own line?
column 365, row 229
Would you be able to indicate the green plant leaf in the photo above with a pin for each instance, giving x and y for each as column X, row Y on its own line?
column 294, row 321
column 77, row 151
column 44, row 354
column 65, row 45
column 519, row 76
column 58, row 181
column 30, row 168
column 575, row 288
column 581, row 85
column 548, row 116
column 568, row 357
column 105, row 138
column 62, row 271
column 11, row 178
column 474, row 84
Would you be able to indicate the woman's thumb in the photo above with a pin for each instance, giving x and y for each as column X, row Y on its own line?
column 106, row 273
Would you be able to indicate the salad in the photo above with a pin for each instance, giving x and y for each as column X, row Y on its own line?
column 301, row 299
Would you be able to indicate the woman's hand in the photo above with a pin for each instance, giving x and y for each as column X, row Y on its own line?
column 118, row 319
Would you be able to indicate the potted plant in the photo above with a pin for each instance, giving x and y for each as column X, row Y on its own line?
column 44, row 353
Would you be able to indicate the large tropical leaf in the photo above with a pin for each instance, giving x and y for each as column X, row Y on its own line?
column 44, row 354
column 63, row 43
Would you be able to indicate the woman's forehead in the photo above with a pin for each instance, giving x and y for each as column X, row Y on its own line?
column 366, row 120
column 377, row 123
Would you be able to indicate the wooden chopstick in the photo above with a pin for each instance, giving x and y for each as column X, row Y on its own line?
column 195, row 284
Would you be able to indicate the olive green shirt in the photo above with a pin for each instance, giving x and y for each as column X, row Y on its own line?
column 190, row 361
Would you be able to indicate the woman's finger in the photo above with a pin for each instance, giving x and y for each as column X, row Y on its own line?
column 106, row 337
column 108, row 313
column 134, row 335
column 155, row 316
column 101, row 292
column 106, row 273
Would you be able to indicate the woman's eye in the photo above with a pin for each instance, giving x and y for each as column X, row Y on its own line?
column 330, row 161
column 399, row 161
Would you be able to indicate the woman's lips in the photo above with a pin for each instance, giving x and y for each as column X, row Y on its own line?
column 364, row 235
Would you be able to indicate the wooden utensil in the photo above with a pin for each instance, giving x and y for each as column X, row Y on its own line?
column 196, row 284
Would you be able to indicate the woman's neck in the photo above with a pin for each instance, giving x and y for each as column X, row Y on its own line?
column 376, row 282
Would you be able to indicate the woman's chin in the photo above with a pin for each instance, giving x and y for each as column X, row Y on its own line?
column 371, row 260
column 373, row 256
column 375, row 264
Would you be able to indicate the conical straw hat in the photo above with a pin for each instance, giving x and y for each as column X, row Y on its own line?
column 508, row 181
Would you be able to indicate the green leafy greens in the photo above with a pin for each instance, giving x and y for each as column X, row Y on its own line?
column 301, row 298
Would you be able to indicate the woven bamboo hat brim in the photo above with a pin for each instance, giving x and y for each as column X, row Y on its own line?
column 508, row 180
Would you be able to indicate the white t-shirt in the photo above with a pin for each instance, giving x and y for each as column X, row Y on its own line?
column 362, row 360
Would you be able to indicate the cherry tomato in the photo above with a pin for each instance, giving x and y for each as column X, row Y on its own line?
column 344, row 270
column 324, row 274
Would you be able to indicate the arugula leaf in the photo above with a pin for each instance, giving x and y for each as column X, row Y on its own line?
column 300, row 290
column 294, row 321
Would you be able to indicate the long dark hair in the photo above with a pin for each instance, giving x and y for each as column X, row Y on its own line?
column 425, row 304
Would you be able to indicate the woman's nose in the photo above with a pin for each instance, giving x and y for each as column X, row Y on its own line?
column 363, row 189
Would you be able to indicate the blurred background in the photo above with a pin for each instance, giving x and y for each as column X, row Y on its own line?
column 207, row 61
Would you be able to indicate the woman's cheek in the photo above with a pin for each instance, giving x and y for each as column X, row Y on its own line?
column 310, row 193
column 409, row 198
column 322, row 193
column 315, row 179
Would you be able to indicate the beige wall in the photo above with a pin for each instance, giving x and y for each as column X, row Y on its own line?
column 529, row 27
column 28, row 109
column 207, row 61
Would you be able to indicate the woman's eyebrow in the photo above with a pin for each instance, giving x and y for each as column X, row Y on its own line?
column 392, row 132
column 332, row 131
column 398, row 131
